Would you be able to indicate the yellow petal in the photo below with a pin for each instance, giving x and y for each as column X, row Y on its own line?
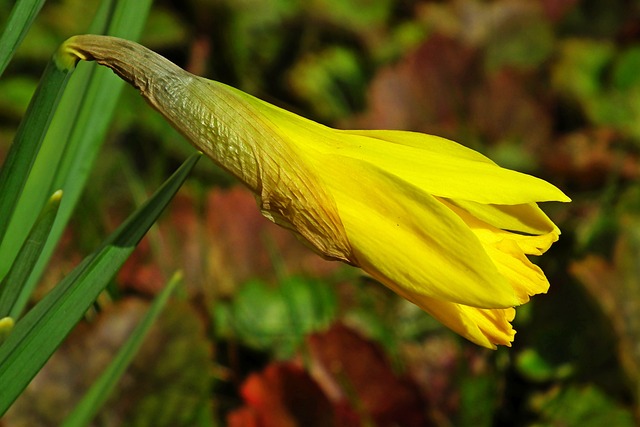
column 485, row 327
column 490, row 234
column 424, row 142
column 526, row 278
column 525, row 218
column 440, row 167
column 440, row 172
column 406, row 238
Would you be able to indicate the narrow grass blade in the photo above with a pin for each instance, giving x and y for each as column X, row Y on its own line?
column 85, row 126
column 91, row 403
column 39, row 186
column 14, row 281
column 21, row 18
column 25, row 147
column 37, row 335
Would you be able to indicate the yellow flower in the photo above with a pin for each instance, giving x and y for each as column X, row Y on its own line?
column 438, row 223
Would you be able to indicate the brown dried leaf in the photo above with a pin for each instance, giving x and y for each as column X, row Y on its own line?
column 140, row 272
column 443, row 89
column 358, row 378
column 615, row 286
column 427, row 91
column 557, row 9
column 589, row 159
column 502, row 109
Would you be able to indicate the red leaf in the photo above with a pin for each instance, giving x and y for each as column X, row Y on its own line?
column 357, row 376
column 283, row 395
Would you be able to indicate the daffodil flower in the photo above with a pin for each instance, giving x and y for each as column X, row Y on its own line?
column 436, row 222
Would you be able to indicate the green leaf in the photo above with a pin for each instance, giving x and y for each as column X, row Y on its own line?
column 525, row 42
column 16, row 92
column 625, row 72
column 534, row 367
column 23, row 151
column 21, row 18
column 330, row 82
column 478, row 400
column 13, row 283
column 87, row 408
column 38, row 185
column 278, row 318
column 176, row 365
column 37, row 335
column 81, row 121
column 580, row 66
column 584, row 407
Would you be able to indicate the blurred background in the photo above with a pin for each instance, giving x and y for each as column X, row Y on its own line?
column 265, row 333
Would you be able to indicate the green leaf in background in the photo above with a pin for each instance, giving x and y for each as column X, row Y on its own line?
column 478, row 400
column 91, row 403
column 357, row 15
column 81, row 121
column 579, row 68
column 16, row 92
column 22, row 15
column 625, row 74
column 13, row 283
column 329, row 82
column 535, row 368
column 37, row 335
column 525, row 43
column 584, row 407
column 278, row 318
column 175, row 367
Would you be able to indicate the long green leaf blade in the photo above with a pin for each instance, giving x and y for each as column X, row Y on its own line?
column 90, row 404
column 26, row 144
column 87, row 130
column 21, row 18
column 39, row 186
column 14, row 281
column 37, row 335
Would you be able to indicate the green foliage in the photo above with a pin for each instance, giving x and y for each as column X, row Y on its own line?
column 535, row 368
column 581, row 65
column 81, row 121
column 14, row 282
column 84, row 412
column 37, row 335
column 21, row 157
column 478, row 400
column 604, row 81
column 25, row 347
column 329, row 81
column 16, row 91
column 178, row 377
column 277, row 318
column 22, row 15
column 525, row 42
column 585, row 406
